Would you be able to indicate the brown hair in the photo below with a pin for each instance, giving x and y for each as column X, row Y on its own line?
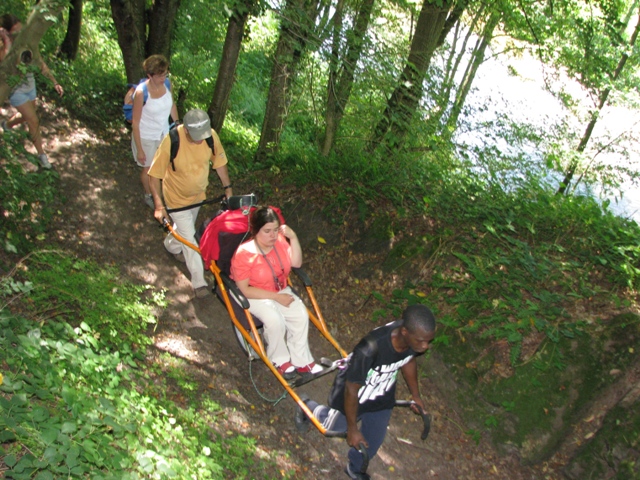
column 155, row 65
column 8, row 21
column 260, row 217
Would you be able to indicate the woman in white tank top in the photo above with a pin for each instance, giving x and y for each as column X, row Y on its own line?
column 151, row 118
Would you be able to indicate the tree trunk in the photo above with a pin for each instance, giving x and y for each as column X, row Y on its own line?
column 69, row 47
column 296, row 26
column 452, row 20
column 451, row 70
column 129, row 19
column 334, row 65
column 226, row 72
column 477, row 57
column 24, row 49
column 402, row 104
column 586, row 136
column 340, row 83
column 162, row 17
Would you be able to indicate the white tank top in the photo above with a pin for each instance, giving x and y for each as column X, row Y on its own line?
column 154, row 121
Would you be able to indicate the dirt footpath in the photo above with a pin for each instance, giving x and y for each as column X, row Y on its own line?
column 103, row 217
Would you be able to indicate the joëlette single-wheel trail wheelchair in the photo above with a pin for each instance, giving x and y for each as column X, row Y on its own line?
column 218, row 239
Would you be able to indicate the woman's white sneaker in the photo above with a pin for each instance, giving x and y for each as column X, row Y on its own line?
column 148, row 199
column 44, row 161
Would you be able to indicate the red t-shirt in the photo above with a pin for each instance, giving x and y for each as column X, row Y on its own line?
column 249, row 263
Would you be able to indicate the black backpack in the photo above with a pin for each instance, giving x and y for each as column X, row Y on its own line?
column 175, row 145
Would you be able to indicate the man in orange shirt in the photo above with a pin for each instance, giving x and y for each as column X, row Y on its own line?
column 184, row 183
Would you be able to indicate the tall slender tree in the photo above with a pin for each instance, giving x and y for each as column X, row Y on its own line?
column 297, row 26
column 462, row 36
column 69, row 46
column 477, row 57
column 230, row 53
column 403, row 102
column 132, row 20
column 341, row 79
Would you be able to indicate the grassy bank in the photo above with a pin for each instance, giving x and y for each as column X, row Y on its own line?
column 79, row 397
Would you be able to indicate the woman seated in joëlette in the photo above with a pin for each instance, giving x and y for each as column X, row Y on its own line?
column 260, row 268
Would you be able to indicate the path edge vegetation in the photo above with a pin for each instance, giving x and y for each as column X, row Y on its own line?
column 79, row 394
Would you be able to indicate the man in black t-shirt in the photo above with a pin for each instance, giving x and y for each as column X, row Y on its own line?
column 365, row 391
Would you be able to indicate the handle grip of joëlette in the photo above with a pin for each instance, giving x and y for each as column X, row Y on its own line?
column 426, row 418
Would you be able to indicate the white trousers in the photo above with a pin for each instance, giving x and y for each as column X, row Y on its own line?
column 286, row 329
column 184, row 223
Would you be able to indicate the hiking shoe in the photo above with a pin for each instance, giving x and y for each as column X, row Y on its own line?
column 5, row 127
column 148, row 199
column 300, row 418
column 356, row 475
column 44, row 161
column 202, row 292
column 312, row 368
column 180, row 257
column 287, row 370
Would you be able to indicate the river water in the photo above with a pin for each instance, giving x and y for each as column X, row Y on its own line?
column 522, row 97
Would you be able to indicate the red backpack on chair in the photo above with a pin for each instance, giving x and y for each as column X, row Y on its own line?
column 224, row 234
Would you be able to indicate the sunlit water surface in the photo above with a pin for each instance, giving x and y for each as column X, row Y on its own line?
column 523, row 98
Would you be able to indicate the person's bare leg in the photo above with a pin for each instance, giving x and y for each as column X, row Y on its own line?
column 144, row 178
column 17, row 119
column 28, row 114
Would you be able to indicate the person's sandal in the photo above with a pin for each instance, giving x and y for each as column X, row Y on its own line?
column 312, row 368
column 287, row 370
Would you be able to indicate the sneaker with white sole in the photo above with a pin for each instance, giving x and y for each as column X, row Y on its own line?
column 44, row 161
column 148, row 199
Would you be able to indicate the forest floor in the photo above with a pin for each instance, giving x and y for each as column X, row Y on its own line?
column 101, row 216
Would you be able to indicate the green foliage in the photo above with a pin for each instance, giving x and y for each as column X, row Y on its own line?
column 253, row 73
column 239, row 142
column 546, row 393
column 76, row 400
column 199, row 37
column 66, row 411
column 514, row 262
column 360, row 180
column 95, row 82
column 475, row 435
column 621, row 427
column 63, row 284
column 20, row 8
column 25, row 195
